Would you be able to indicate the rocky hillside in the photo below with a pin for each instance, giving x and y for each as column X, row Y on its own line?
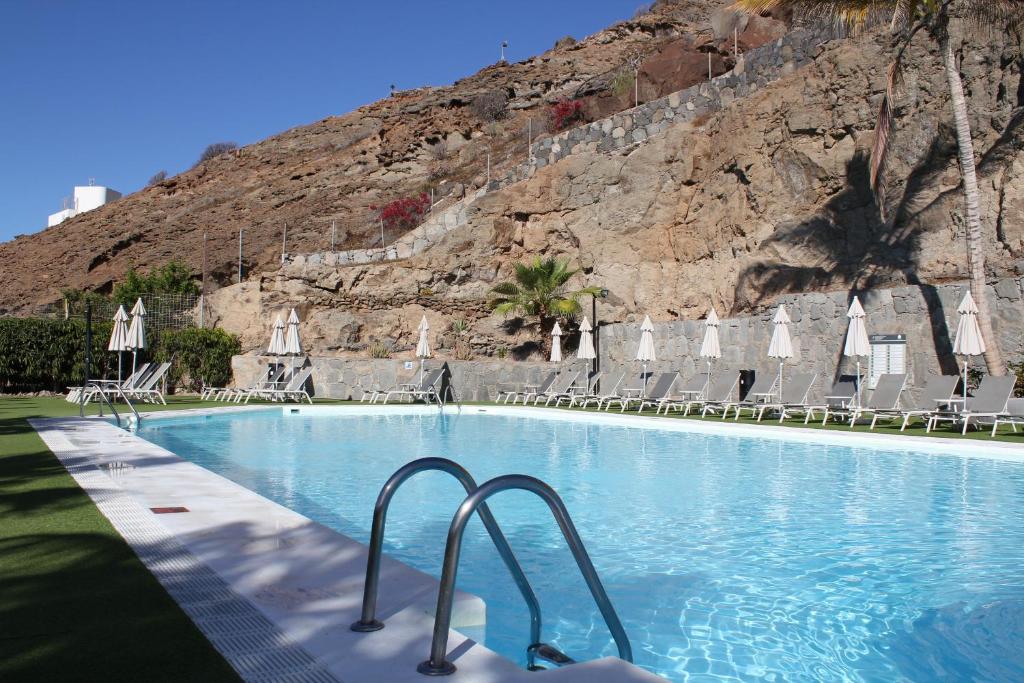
column 421, row 141
column 768, row 195
column 764, row 195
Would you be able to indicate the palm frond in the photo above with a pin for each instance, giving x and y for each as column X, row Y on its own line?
column 852, row 15
column 883, row 127
column 992, row 17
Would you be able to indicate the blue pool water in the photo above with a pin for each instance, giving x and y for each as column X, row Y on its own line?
column 727, row 558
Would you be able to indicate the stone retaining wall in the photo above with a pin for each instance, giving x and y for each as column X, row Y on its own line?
column 926, row 314
column 348, row 378
column 756, row 68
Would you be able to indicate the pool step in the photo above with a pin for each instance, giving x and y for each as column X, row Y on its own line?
column 548, row 653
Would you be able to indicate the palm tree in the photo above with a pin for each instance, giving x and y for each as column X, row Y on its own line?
column 539, row 290
column 907, row 18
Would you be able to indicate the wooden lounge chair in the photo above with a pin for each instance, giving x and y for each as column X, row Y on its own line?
column 793, row 397
column 760, row 393
column 989, row 401
column 719, row 393
column 885, row 396
column 937, row 392
column 427, row 390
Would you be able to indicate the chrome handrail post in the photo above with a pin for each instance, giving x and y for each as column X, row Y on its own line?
column 437, row 665
column 368, row 621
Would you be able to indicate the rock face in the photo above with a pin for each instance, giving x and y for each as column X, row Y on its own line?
column 765, row 195
column 423, row 140
column 768, row 196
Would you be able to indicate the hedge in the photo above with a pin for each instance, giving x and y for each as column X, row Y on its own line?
column 201, row 357
column 42, row 354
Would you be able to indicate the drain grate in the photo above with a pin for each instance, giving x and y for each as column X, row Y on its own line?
column 254, row 646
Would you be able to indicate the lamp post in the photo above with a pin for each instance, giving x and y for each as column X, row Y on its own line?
column 593, row 314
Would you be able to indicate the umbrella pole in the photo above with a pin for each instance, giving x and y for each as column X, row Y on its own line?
column 967, row 361
column 421, row 371
column 858, row 381
column 134, row 352
column 119, row 356
column 780, row 381
column 643, row 383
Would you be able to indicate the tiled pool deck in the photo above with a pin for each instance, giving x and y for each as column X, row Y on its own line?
column 274, row 591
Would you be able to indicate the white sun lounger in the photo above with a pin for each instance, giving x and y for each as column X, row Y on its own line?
column 793, row 399
column 937, row 392
column 599, row 399
column 427, row 390
column 147, row 391
column 552, row 392
column 762, row 391
column 720, row 392
column 693, row 391
column 580, row 391
column 885, row 396
column 989, row 401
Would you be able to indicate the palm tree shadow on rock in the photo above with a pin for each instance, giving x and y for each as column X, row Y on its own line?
column 855, row 248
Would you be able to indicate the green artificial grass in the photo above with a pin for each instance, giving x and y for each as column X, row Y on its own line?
column 76, row 604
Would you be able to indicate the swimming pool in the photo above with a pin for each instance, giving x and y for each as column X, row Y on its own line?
column 725, row 556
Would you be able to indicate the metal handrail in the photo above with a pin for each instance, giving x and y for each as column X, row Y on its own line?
column 368, row 621
column 103, row 396
column 437, row 665
column 120, row 391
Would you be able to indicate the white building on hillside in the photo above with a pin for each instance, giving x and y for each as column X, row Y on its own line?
column 86, row 198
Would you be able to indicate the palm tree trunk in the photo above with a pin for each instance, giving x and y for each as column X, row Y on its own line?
column 975, row 239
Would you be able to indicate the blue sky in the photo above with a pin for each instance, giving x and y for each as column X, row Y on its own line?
column 117, row 91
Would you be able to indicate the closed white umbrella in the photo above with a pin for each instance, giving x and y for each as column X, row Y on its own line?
column 423, row 347
column 781, row 346
column 276, row 347
column 586, row 351
column 292, row 343
column 137, row 331
column 556, row 344
column 857, row 344
column 119, row 337
column 710, row 348
column 968, row 340
column 645, row 352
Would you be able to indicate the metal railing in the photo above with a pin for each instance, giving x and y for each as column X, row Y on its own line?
column 475, row 502
column 368, row 621
column 437, row 665
column 100, row 388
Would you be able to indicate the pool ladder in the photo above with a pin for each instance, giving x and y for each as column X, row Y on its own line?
column 475, row 501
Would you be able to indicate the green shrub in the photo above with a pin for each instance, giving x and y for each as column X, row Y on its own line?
column 174, row 277
column 199, row 357
column 40, row 354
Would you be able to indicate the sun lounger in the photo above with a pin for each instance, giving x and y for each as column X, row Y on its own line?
column 694, row 389
column 838, row 400
column 558, row 388
column 720, row 392
column 580, row 391
column 270, row 379
column 624, row 394
column 760, row 393
column 147, row 391
column 989, row 401
column 532, row 390
column 427, row 390
column 885, row 396
column 109, row 386
column 408, row 383
column 296, row 387
column 937, row 392
column 599, row 399
column 1014, row 415
column 658, row 393
column 793, row 398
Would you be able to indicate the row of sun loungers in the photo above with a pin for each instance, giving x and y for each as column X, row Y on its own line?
column 714, row 395
column 141, row 385
column 270, row 387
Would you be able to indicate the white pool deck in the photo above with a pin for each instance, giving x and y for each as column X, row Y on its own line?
column 276, row 592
